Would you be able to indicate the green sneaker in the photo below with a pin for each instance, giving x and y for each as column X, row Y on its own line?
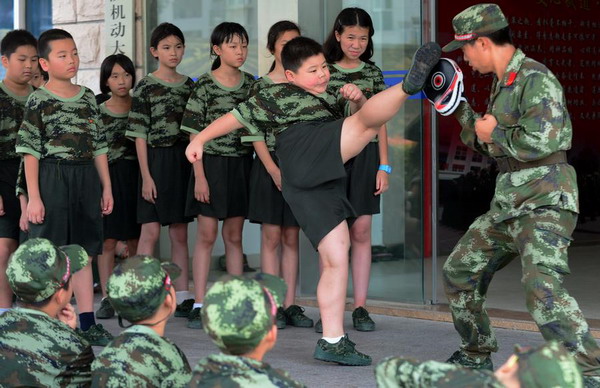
column 195, row 319
column 425, row 58
column 342, row 352
column 106, row 310
column 96, row 335
column 281, row 320
column 361, row 320
column 461, row 358
column 319, row 326
column 183, row 309
column 295, row 317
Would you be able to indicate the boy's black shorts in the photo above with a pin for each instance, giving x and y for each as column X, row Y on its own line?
column 314, row 177
column 228, row 180
column 121, row 224
column 9, row 222
column 71, row 193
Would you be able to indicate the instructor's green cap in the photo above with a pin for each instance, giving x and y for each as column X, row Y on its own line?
column 550, row 365
column 238, row 311
column 475, row 21
column 38, row 268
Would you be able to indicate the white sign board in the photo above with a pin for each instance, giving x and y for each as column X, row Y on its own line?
column 119, row 27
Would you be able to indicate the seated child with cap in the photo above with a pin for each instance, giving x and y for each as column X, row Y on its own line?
column 38, row 343
column 550, row 365
column 140, row 290
column 239, row 315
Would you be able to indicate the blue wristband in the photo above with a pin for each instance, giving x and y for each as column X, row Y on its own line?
column 385, row 167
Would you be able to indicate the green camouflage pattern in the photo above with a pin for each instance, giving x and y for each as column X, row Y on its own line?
column 39, row 351
column 540, row 239
column 12, row 110
column 38, row 268
column 548, row 366
column 533, row 122
column 276, row 107
column 211, row 100
column 157, row 110
column 222, row 370
column 61, row 128
column 478, row 20
column 139, row 285
column 238, row 312
column 21, row 185
column 366, row 76
column 394, row 372
column 115, row 126
column 139, row 357
column 268, row 137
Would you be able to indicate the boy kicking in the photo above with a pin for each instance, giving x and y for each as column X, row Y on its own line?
column 313, row 141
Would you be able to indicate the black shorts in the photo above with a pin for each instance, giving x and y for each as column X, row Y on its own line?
column 71, row 193
column 362, row 177
column 121, row 224
column 267, row 204
column 228, row 180
column 170, row 171
column 314, row 177
column 9, row 222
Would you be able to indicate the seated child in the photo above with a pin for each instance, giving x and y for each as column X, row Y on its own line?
column 239, row 315
column 38, row 342
column 140, row 290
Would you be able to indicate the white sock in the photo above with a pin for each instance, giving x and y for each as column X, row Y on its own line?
column 198, row 305
column 333, row 340
column 3, row 310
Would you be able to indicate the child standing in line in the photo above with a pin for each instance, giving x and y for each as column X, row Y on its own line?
column 313, row 141
column 157, row 108
column 19, row 57
column 117, row 77
column 348, row 50
column 279, row 229
column 218, row 188
column 66, row 167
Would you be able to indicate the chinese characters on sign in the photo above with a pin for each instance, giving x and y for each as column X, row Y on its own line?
column 119, row 27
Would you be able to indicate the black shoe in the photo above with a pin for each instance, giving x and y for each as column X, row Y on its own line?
column 361, row 320
column 96, row 335
column 247, row 267
column 184, row 308
column 295, row 317
column 319, row 326
column 425, row 58
column 105, row 311
column 281, row 319
column 195, row 319
column 343, row 352
column 461, row 358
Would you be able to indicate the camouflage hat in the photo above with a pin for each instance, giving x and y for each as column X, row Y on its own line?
column 139, row 285
column 475, row 21
column 550, row 365
column 238, row 311
column 38, row 268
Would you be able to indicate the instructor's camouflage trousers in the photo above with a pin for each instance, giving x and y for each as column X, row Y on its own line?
column 540, row 238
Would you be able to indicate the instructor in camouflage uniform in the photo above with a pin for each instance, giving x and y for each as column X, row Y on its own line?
column 527, row 130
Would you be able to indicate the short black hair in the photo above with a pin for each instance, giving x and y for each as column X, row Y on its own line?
column 48, row 36
column 349, row 17
column 298, row 50
column 501, row 37
column 164, row 30
column 15, row 39
column 107, row 67
column 224, row 33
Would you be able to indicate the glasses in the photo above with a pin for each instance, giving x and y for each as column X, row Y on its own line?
column 67, row 275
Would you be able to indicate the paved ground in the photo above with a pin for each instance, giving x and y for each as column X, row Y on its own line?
column 394, row 336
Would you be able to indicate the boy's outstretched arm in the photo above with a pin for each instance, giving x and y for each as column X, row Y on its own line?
column 221, row 126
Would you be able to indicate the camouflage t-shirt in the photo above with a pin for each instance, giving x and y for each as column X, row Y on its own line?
column 276, row 107
column 211, row 100
column 533, row 123
column 157, row 110
column 115, row 126
column 62, row 128
column 139, row 357
column 222, row 370
column 12, row 108
column 269, row 136
column 37, row 350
